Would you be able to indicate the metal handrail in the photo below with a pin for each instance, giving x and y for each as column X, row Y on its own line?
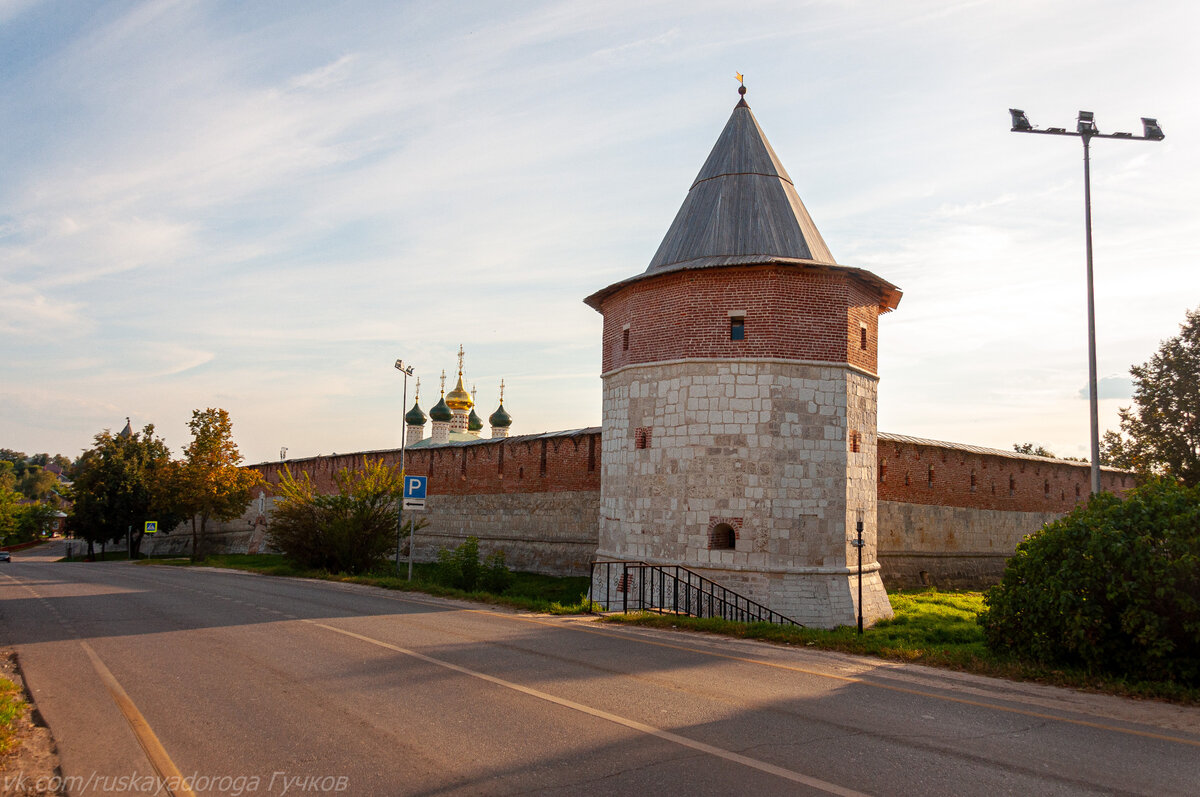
column 674, row 589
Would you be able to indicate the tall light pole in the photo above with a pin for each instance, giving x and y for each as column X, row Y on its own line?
column 406, row 370
column 1086, row 130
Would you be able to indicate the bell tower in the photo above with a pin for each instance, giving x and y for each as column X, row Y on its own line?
column 740, row 382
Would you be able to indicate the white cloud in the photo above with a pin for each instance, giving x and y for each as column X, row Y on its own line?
column 267, row 208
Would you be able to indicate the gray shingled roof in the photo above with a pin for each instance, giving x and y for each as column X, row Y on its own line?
column 743, row 203
column 743, row 210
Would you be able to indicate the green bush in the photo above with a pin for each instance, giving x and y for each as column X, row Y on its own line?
column 496, row 576
column 1113, row 587
column 460, row 568
column 350, row 532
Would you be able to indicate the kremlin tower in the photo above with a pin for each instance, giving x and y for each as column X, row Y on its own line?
column 739, row 377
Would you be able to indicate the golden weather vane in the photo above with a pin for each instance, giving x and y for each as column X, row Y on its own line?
column 740, row 78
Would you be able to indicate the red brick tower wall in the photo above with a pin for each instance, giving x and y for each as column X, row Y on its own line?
column 791, row 313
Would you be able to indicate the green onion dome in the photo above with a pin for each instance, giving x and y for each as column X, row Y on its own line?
column 415, row 417
column 440, row 412
column 500, row 418
column 474, row 422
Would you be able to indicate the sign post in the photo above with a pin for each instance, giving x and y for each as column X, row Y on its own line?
column 414, row 499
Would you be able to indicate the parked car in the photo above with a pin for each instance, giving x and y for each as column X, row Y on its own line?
column 5, row 556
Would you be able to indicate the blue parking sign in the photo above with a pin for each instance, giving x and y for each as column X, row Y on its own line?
column 414, row 486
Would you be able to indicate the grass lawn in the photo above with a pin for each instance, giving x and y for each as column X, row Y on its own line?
column 11, row 706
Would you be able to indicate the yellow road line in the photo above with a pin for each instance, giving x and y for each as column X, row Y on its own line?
column 172, row 779
column 728, row 755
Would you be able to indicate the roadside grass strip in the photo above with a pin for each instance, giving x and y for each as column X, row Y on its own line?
column 11, row 709
column 532, row 592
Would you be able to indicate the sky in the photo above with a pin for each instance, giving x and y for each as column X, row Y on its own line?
column 261, row 206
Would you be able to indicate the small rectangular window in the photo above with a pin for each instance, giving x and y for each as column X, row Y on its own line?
column 862, row 336
column 625, row 339
column 737, row 328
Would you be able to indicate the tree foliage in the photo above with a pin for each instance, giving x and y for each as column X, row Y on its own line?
column 1112, row 587
column 208, row 484
column 122, row 482
column 349, row 532
column 10, row 515
column 1035, row 450
column 1160, row 433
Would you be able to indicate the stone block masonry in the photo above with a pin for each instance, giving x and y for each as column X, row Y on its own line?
column 757, row 448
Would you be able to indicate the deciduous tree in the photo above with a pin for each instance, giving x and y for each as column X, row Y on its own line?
column 122, row 482
column 209, row 483
column 1160, row 433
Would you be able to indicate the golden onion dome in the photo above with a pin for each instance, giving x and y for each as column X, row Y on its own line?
column 459, row 398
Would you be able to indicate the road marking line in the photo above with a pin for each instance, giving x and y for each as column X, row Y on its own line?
column 817, row 673
column 853, row 680
column 728, row 755
column 173, row 780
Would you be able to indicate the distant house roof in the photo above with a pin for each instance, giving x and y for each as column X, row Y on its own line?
column 743, row 210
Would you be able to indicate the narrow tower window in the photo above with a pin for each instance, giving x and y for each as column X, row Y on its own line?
column 625, row 338
column 862, row 336
column 737, row 327
column 721, row 537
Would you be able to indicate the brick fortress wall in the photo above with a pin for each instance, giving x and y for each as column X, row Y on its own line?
column 546, row 517
column 950, row 515
column 537, row 497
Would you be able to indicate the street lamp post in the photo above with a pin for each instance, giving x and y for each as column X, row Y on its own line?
column 858, row 543
column 406, row 370
column 1086, row 130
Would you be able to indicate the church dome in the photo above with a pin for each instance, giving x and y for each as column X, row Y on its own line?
column 415, row 417
column 500, row 419
column 440, row 412
column 459, row 398
column 474, row 422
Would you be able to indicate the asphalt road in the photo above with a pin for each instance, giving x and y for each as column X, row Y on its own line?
column 244, row 684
